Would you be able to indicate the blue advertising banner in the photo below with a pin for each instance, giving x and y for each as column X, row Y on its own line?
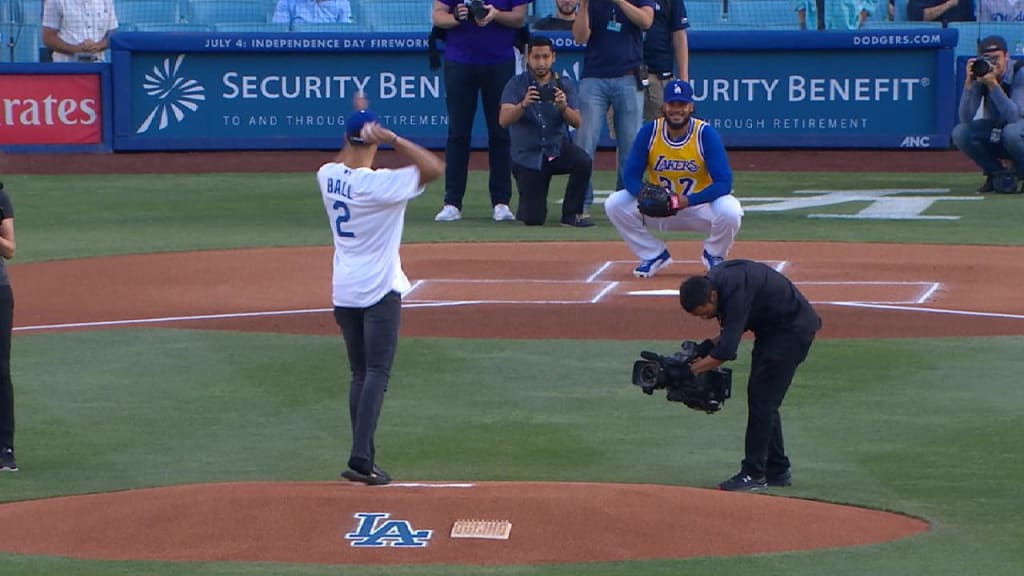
column 884, row 89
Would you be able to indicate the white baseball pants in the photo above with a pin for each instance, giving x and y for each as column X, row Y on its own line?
column 718, row 221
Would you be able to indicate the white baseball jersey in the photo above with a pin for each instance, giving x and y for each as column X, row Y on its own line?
column 366, row 212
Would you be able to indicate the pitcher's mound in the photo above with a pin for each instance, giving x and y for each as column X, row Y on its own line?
column 411, row 523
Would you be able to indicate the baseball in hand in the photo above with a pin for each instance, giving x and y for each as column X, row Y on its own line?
column 374, row 133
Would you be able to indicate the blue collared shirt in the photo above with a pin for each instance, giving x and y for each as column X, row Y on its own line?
column 289, row 11
column 539, row 132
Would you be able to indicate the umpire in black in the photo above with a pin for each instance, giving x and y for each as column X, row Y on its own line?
column 538, row 107
column 745, row 295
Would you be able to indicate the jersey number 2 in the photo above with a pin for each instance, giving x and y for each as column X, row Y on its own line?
column 343, row 217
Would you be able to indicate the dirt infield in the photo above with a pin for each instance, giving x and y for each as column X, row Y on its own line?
column 539, row 290
column 317, row 523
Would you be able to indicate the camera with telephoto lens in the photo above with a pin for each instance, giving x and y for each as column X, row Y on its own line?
column 477, row 10
column 982, row 65
column 706, row 392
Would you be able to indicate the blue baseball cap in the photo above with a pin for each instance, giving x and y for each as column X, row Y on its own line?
column 354, row 125
column 678, row 91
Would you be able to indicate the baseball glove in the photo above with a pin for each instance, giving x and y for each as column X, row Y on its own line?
column 657, row 202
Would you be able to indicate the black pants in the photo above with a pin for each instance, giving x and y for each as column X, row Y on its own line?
column 371, row 337
column 462, row 84
column 533, row 185
column 773, row 365
column 6, row 388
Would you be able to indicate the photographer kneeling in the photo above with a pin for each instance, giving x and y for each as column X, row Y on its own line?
column 995, row 83
column 745, row 295
column 538, row 107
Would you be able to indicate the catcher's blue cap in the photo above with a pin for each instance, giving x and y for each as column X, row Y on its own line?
column 678, row 91
column 354, row 124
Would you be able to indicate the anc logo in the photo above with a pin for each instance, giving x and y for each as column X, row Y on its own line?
column 174, row 94
column 374, row 532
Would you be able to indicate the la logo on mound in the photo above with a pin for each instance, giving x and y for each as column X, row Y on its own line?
column 174, row 94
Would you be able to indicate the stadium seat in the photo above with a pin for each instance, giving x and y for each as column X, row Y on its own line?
column 147, row 11
column 545, row 8
column 27, row 11
column 252, row 27
column 888, row 24
column 212, row 12
column 402, row 16
column 755, row 14
column 702, row 14
column 28, row 41
column 170, row 27
column 327, row 27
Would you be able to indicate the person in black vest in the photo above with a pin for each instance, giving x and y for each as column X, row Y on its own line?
column 746, row 295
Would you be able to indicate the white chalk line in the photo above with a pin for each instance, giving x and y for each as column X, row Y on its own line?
column 928, row 290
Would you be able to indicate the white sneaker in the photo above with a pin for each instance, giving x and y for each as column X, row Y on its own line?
column 502, row 213
column 448, row 214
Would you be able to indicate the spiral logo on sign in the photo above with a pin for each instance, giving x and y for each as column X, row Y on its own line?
column 175, row 94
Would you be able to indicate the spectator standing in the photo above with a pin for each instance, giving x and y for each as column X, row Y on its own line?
column 940, row 10
column 312, row 11
column 366, row 214
column 839, row 14
column 77, row 30
column 7, row 247
column 613, row 73
column 999, row 133
column 562, row 19
column 1001, row 11
column 479, row 59
column 538, row 107
column 666, row 52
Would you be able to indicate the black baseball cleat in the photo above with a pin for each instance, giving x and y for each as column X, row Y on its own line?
column 779, row 480
column 987, row 186
column 7, row 463
column 371, row 479
column 743, row 482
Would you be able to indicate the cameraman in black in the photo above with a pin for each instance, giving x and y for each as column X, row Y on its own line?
column 745, row 295
column 538, row 107
column 994, row 83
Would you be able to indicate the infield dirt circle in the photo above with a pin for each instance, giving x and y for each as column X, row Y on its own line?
column 524, row 290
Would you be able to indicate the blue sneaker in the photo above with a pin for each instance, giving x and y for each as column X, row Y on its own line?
column 649, row 268
column 711, row 261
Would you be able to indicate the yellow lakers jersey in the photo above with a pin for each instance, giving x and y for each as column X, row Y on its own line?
column 677, row 166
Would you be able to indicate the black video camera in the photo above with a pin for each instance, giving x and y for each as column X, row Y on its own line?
column 981, row 66
column 706, row 392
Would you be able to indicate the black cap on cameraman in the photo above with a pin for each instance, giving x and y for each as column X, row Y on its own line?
column 992, row 44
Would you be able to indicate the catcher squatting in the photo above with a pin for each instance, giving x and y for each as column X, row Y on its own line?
column 677, row 177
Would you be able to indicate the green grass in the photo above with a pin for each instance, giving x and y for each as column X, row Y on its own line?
column 913, row 430
column 926, row 427
column 77, row 216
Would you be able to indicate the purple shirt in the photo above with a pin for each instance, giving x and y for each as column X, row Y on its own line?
column 468, row 43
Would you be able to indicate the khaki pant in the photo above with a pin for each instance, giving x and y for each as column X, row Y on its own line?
column 652, row 101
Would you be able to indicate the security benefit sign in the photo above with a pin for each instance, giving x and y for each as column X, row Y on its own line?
column 203, row 100
column 847, row 98
column 50, row 109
